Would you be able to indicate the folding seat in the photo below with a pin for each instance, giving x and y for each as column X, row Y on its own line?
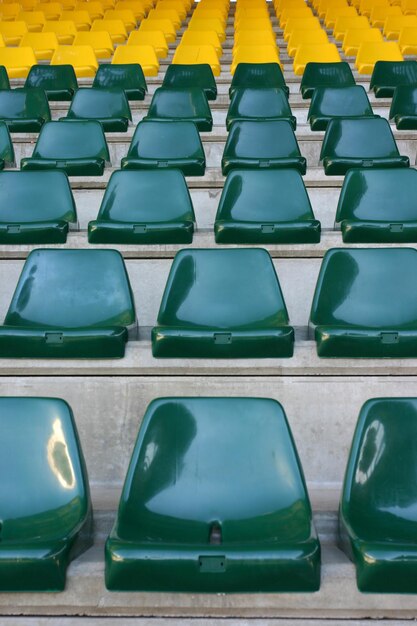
column 377, row 511
column 380, row 13
column 35, row 207
column 329, row 103
column 360, row 142
column 189, row 76
column 325, row 75
column 4, row 79
column 29, row 5
column 334, row 12
column 315, row 53
column 387, row 75
column 51, row 10
column 152, row 207
column 166, row 26
column 79, row 148
column 125, row 15
column 323, row 6
column 260, row 24
column 68, row 5
column 108, row 106
column 42, row 44
column 265, row 206
column 403, row 109
column 145, row 56
column 9, row 11
column 197, row 55
column 6, row 147
column 235, row 308
column 369, row 53
column 301, row 11
column 263, row 53
column 154, row 38
column 395, row 23
column 378, row 206
column 17, row 61
column 202, row 37
column 347, row 22
column 12, row 32
column 94, row 9
column 253, row 37
column 409, row 7
column 296, row 23
column 100, row 42
column 64, row 29
column 258, row 75
column 90, row 315
column 24, row 110
column 302, row 37
column 366, row 6
column 355, row 37
column 128, row 77
column 115, row 28
column 169, row 14
column 270, row 103
column 162, row 144
column 82, row 58
column 47, row 516
column 139, row 10
column 266, row 144
column 181, row 104
column 57, row 81
column 81, row 19
column 34, row 20
column 407, row 41
column 201, row 23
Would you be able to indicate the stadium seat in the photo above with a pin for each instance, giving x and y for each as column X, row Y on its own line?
column 6, row 147
column 328, row 103
column 387, row 75
column 42, row 44
column 58, row 81
column 115, row 28
column 293, row 24
column 409, row 7
column 315, row 53
column 369, row 53
column 154, row 38
column 181, row 104
column 79, row 148
column 253, row 37
column 35, row 207
column 82, row 58
column 17, row 61
column 125, row 15
column 270, row 103
column 162, row 144
column 222, row 304
column 81, row 19
column 24, row 110
column 294, row 11
column 152, row 207
column 51, row 10
column 4, row 79
column 403, row 109
column 94, row 8
column 47, row 516
column 352, row 314
column 361, row 142
column 101, row 42
column 355, row 37
column 335, row 12
column 91, row 312
column 230, row 492
column 128, row 77
column 12, row 32
column 302, row 37
column 395, row 23
column 258, row 75
column 9, row 11
column 252, row 211
column 345, row 23
column 407, row 41
column 203, row 23
column 254, row 54
column 145, row 56
column 267, row 144
column 202, row 37
column 197, row 55
column 34, row 20
column 325, row 75
column 365, row 6
column 64, row 30
column 138, row 9
column 378, row 206
column 164, row 25
column 380, row 12
column 187, row 76
column 110, row 107
column 159, row 12
column 375, row 530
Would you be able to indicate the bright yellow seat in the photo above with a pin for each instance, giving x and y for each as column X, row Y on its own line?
column 295, row 23
column 34, row 20
column 51, row 10
column 249, row 12
column 154, row 38
column 179, row 6
column 17, row 61
column 395, row 23
column 408, row 40
column 126, row 15
column 289, row 12
column 68, row 5
column 42, row 44
column 169, row 14
column 137, row 7
column 115, row 28
column 263, row 53
column 306, row 53
column 29, row 5
column 2, row 43
column 333, row 13
column 166, row 26
column 366, row 6
column 380, row 13
column 345, row 23
column 64, row 29
column 81, row 19
column 258, row 23
column 409, row 7
column 10, row 11
column 198, row 23
column 202, row 37
column 100, row 41
column 82, row 58
column 192, row 55
column 369, row 53
column 357, row 36
column 108, row 4
column 94, row 8
column 211, row 14
column 284, row 6
column 324, row 5
column 253, row 37
column 12, row 32
column 300, row 37
column 144, row 55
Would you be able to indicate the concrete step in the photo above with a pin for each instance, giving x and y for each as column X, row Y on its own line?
column 172, row 621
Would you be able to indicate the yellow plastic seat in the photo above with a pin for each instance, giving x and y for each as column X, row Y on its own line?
column 251, row 13
column 51, row 10
column 17, row 61
column 2, row 43
column 369, row 53
column 12, row 32
column 258, row 23
column 324, row 5
column 263, row 53
column 409, row 7
column 82, row 58
column 198, row 23
column 145, row 56
column 115, row 28
column 94, row 8
column 294, row 11
column 395, row 23
column 154, row 38
column 42, row 44
column 68, row 5
column 300, row 37
column 81, row 19
column 380, row 13
column 295, row 23
column 179, row 6
column 196, row 55
column 324, row 53
column 357, row 36
column 333, row 13
column 64, row 30
column 29, row 5
column 10, row 11
column 100, row 41
column 138, row 8
column 285, row 6
column 166, row 26
column 125, row 15
column 108, row 4
column 345, row 23
column 408, row 41
column 366, row 6
column 34, row 20
column 169, row 14
column 253, row 37
column 202, row 37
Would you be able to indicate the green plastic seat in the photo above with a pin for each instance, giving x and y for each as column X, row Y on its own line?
column 328, row 103
column 259, row 104
column 79, row 148
column 110, row 107
column 58, row 81
column 35, row 207
column 403, row 109
column 378, row 206
column 258, row 76
column 268, row 144
column 252, row 209
column 126, row 76
column 165, row 144
column 188, row 76
column 181, row 105
column 360, row 142
column 4, row 78
column 6, row 147
column 325, row 75
column 46, row 514
column 24, row 110
column 70, row 304
column 365, row 303
column 222, row 304
column 144, row 207
column 377, row 516
column 226, row 507
column 388, row 75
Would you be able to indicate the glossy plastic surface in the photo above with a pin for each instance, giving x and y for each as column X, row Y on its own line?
column 145, row 56
column 328, row 103
column 6, row 147
column 222, row 304
column 82, row 58
column 108, row 106
column 388, row 75
column 185, row 76
column 154, row 38
column 403, row 109
column 24, row 110
column 58, row 81
column 4, row 79
column 325, row 75
column 370, row 53
column 175, row 104
column 365, row 303
column 259, row 103
column 258, row 76
column 198, row 55
column 128, row 77
column 144, row 207
column 17, row 61
column 205, row 497
column 315, row 53
column 261, row 53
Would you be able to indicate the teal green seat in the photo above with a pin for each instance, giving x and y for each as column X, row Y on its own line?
column 24, row 110
column 35, row 207
column 387, row 75
column 328, row 103
column 260, row 104
column 360, row 142
column 378, row 513
column 214, row 492
column 165, row 144
column 70, row 304
column 58, row 81
column 325, row 75
column 79, row 148
column 6, row 147
column 144, row 207
column 365, row 303
column 110, row 107
column 258, row 76
column 181, row 105
column 4, row 78
column 267, row 144
column 126, row 76
column 46, row 515
column 378, row 206
column 187, row 76
column 254, row 209
column 403, row 109
column 222, row 304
